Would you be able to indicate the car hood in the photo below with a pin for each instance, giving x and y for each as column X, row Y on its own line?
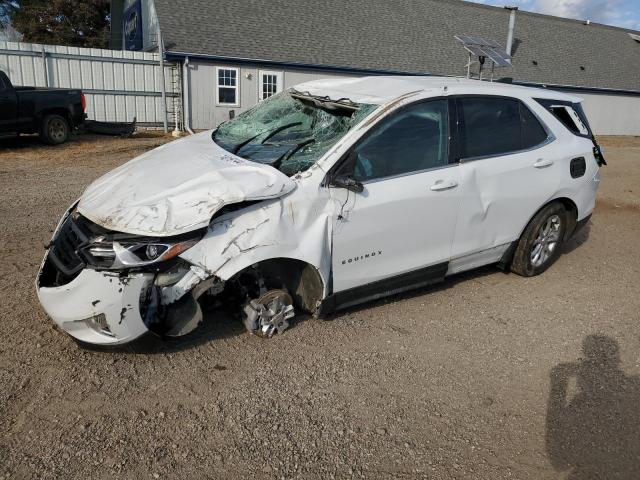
column 177, row 188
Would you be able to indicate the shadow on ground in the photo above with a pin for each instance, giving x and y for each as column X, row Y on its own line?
column 593, row 415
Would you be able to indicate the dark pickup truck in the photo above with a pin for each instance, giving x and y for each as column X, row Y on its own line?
column 51, row 112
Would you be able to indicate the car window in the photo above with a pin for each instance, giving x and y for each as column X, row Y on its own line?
column 571, row 115
column 414, row 139
column 533, row 133
column 493, row 126
column 290, row 131
column 570, row 119
column 490, row 126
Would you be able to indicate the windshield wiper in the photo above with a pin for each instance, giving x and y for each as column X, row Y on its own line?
column 289, row 153
column 278, row 130
column 271, row 133
column 237, row 148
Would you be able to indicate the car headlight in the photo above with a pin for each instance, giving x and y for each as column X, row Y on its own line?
column 131, row 253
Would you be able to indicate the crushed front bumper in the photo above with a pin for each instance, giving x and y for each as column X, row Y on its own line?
column 101, row 308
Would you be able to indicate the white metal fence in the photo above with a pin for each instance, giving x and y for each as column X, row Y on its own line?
column 118, row 85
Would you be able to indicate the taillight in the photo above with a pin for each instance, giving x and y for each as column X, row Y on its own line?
column 84, row 102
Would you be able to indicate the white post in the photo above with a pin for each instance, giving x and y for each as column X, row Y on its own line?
column 46, row 69
column 186, row 106
column 512, row 24
column 163, row 89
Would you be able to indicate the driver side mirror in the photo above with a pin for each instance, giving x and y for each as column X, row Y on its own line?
column 343, row 177
column 348, row 182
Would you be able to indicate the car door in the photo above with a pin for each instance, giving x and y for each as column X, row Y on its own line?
column 509, row 168
column 8, row 106
column 402, row 222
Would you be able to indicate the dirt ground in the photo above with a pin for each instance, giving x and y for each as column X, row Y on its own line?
column 487, row 376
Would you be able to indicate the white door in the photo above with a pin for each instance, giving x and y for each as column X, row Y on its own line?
column 404, row 219
column 509, row 169
column 269, row 83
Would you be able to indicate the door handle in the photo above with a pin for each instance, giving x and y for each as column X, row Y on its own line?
column 542, row 163
column 442, row 185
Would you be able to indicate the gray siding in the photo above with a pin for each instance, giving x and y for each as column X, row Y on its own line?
column 118, row 85
column 608, row 114
column 205, row 114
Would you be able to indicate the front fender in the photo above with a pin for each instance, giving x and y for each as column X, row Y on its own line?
column 266, row 231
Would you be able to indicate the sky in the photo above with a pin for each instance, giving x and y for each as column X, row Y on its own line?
column 621, row 13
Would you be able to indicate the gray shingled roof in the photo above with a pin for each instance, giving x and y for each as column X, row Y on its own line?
column 412, row 36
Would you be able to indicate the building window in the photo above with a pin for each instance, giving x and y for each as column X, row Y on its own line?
column 270, row 83
column 227, row 86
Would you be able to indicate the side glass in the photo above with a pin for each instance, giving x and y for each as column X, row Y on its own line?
column 412, row 140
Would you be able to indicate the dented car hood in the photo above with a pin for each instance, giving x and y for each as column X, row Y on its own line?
column 177, row 188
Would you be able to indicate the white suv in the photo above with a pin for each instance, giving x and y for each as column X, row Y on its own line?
column 321, row 197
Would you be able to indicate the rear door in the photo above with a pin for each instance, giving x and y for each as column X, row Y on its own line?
column 509, row 168
column 8, row 105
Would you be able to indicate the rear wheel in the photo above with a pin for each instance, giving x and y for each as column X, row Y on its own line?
column 539, row 245
column 55, row 130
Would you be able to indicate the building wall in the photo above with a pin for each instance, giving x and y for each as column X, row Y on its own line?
column 206, row 114
column 608, row 114
column 119, row 86
column 612, row 114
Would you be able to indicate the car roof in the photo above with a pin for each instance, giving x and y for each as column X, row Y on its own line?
column 380, row 90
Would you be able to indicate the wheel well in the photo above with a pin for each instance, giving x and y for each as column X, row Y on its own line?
column 569, row 206
column 301, row 279
column 57, row 111
column 572, row 218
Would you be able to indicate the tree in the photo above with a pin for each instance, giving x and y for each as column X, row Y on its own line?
column 7, row 7
column 79, row 23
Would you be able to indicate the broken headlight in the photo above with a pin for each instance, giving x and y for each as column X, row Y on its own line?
column 133, row 253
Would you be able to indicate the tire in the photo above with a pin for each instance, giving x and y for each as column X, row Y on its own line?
column 541, row 242
column 55, row 130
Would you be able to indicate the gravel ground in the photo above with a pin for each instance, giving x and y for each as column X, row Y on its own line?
column 487, row 376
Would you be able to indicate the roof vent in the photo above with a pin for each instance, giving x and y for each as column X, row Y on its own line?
column 635, row 37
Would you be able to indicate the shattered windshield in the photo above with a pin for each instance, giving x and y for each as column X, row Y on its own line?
column 290, row 131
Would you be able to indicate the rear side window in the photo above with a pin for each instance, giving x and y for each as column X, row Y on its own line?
column 493, row 126
column 533, row 133
column 569, row 114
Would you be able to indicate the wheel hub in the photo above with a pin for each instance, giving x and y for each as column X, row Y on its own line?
column 56, row 130
column 269, row 313
column 547, row 241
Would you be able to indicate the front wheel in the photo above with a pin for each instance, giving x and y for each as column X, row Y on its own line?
column 55, row 130
column 539, row 245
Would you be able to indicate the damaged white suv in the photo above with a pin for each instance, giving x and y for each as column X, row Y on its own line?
column 321, row 197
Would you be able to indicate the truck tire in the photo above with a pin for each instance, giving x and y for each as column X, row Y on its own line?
column 55, row 130
column 540, row 243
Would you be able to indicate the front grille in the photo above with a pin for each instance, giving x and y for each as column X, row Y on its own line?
column 64, row 252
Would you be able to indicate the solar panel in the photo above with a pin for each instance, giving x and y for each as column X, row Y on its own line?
column 484, row 47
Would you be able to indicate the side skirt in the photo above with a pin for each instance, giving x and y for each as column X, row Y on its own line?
column 384, row 288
